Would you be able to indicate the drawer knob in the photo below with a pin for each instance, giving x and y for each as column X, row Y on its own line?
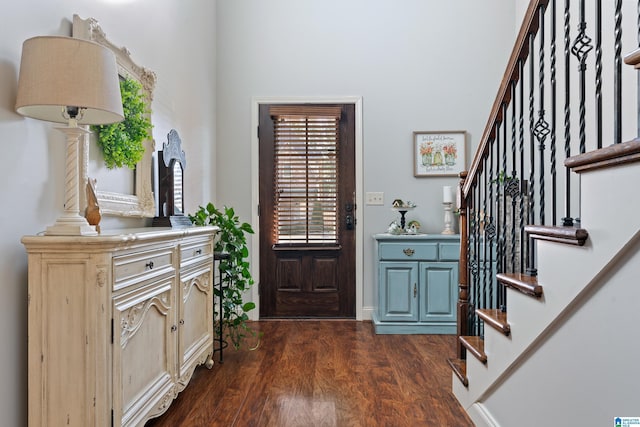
column 408, row 252
column 149, row 265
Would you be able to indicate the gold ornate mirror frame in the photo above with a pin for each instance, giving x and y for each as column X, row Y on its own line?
column 141, row 203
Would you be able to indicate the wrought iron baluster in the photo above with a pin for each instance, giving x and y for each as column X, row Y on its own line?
column 598, row 41
column 521, row 150
column 477, row 257
column 513, row 178
column 617, row 78
column 638, row 74
column 470, row 255
column 471, row 258
column 581, row 48
column 503, row 206
column 495, row 183
column 514, row 94
column 541, row 129
column 532, row 157
column 491, row 232
column 486, row 224
column 552, row 148
column 567, row 220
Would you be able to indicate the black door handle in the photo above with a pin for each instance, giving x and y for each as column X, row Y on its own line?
column 349, row 220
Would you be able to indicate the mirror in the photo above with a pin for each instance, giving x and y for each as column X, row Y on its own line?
column 171, row 165
column 178, row 209
column 138, row 202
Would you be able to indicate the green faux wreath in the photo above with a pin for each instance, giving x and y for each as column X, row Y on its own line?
column 123, row 143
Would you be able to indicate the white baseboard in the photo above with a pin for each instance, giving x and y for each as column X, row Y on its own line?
column 481, row 416
column 367, row 313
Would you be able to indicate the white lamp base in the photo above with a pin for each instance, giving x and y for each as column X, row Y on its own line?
column 71, row 226
column 71, row 223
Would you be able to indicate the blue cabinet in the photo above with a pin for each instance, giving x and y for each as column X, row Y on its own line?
column 417, row 285
column 398, row 300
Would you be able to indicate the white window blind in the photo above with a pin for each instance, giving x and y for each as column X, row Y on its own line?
column 306, row 174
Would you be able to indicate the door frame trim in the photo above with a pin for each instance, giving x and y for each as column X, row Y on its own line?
column 255, row 164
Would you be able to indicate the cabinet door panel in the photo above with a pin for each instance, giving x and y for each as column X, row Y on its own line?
column 64, row 291
column 196, row 320
column 398, row 291
column 438, row 286
column 144, row 340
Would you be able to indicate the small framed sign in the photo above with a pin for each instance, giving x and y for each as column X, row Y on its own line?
column 439, row 153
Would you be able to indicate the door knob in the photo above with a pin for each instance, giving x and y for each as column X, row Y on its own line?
column 349, row 221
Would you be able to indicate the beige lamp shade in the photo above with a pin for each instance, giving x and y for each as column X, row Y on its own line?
column 60, row 72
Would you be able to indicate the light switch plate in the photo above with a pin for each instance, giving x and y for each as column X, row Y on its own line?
column 375, row 198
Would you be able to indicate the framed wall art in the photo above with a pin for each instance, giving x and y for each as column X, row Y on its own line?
column 439, row 153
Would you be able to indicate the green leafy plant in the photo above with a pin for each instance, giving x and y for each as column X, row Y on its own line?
column 123, row 143
column 236, row 277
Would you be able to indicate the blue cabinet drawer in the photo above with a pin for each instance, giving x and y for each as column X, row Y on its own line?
column 449, row 251
column 408, row 251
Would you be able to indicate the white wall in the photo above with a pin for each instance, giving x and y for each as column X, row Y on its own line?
column 589, row 294
column 174, row 39
column 419, row 65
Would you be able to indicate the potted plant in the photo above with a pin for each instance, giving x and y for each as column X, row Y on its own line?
column 122, row 143
column 236, row 277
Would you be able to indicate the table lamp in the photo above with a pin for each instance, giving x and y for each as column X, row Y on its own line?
column 72, row 81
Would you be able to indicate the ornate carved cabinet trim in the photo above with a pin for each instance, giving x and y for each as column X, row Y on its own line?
column 117, row 323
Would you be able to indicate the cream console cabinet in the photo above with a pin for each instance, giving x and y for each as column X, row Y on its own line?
column 117, row 323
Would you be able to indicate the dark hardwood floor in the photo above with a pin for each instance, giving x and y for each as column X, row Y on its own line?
column 324, row 373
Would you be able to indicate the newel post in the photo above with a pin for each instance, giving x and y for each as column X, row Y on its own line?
column 463, row 287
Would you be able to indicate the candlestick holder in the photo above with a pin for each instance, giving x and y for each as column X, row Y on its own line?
column 448, row 219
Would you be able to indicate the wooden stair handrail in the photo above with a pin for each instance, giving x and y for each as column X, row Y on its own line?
column 520, row 51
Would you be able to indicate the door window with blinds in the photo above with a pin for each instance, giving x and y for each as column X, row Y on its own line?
column 306, row 175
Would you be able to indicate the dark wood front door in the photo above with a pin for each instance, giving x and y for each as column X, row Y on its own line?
column 307, row 211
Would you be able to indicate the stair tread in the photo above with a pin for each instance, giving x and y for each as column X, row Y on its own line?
column 524, row 283
column 496, row 318
column 475, row 345
column 459, row 367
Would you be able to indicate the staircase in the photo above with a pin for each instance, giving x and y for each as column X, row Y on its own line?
column 546, row 312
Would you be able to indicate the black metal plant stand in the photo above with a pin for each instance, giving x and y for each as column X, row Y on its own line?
column 220, row 344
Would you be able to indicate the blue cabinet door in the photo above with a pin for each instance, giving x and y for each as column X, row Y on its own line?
column 398, row 291
column 438, row 291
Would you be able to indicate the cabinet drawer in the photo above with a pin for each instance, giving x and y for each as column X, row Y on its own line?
column 449, row 251
column 195, row 250
column 138, row 266
column 408, row 251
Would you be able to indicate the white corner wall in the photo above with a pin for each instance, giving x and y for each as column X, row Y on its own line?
column 176, row 41
column 419, row 65
column 582, row 373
